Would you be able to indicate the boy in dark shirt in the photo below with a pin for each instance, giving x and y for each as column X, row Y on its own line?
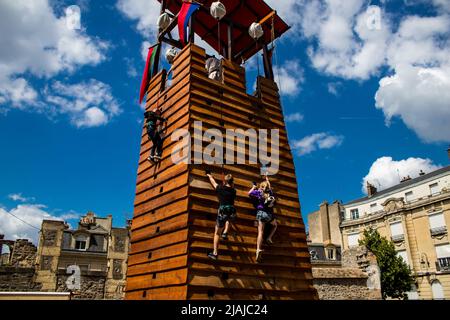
column 227, row 212
column 153, row 121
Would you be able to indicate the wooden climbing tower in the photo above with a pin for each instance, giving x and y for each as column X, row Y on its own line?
column 175, row 206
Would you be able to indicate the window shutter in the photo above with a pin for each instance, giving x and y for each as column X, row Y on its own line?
column 434, row 188
column 404, row 256
column 67, row 240
column 437, row 220
column 443, row 251
column 396, row 229
column 353, row 239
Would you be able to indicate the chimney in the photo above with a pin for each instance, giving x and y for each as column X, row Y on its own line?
column 405, row 179
column 371, row 189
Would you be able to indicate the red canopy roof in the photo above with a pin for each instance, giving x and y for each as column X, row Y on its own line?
column 242, row 13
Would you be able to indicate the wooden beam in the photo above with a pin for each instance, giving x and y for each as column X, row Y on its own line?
column 230, row 42
column 169, row 28
column 268, row 69
column 191, row 28
column 173, row 42
column 270, row 15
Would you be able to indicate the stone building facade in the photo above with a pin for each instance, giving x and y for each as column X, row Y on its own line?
column 17, row 262
column 96, row 249
column 415, row 215
column 339, row 275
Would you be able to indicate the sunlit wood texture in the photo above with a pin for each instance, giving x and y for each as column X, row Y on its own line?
column 176, row 208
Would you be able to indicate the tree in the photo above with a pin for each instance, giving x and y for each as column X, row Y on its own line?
column 396, row 276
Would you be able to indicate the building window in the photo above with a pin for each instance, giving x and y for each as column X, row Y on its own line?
column 443, row 257
column 117, row 269
column 413, row 294
column 373, row 207
column 397, row 231
column 81, row 243
column 438, row 292
column 434, row 188
column 404, row 256
column 353, row 240
column 330, row 254
column 46, row 262
column 67, row 240
column 437, row 224
column 354, row 213
column 409, row 196
column 314, row 255
column 49, row 237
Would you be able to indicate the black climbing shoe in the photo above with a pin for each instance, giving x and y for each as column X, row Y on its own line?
column 224, row 236
column 213, row 256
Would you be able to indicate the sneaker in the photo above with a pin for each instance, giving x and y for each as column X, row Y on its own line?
column 213, row 256
column 151, row 158
column 157, row 158
column 224, row 236
column 269, row 241
column 258, row 255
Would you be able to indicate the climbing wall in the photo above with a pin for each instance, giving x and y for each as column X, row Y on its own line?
column 176, row 208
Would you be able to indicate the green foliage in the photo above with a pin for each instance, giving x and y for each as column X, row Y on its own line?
column 396, row 276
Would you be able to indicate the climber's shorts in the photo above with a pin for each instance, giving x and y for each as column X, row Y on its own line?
column 225, row 214
column 264, row 216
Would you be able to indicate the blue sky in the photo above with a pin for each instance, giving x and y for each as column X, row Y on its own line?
column 70, row 121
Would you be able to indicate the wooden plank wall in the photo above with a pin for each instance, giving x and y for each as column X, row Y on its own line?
column 176, row 208
column 157, row 263
column 285, row 271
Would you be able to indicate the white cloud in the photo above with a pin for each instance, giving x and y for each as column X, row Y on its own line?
column 333, row 88
column 27, row 218
column 416, row 55
column 294, row 117
column 419, row 90
column 343, row 43
column 39, row 44
column 131, row 69
column 317, row 141
column 145, row 12
column 88, row 104
column 385, row 171
column 289, row 11
column 19, row 197
column 421, row 98
column 444, row 5
column 289, row 78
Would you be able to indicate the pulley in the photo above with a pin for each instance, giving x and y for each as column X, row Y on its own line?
column 163, row 21
column 218, row 10
column 256, row 31
column 171, row 54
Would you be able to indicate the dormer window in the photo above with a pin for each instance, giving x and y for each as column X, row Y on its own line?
column 434, row 188
column 354, row 213
column 81, row 243
column 373, row 207
column 409, row 196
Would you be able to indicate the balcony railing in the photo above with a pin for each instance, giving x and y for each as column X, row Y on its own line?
column 443, row 264
column 398, row 238
column 438, row 231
